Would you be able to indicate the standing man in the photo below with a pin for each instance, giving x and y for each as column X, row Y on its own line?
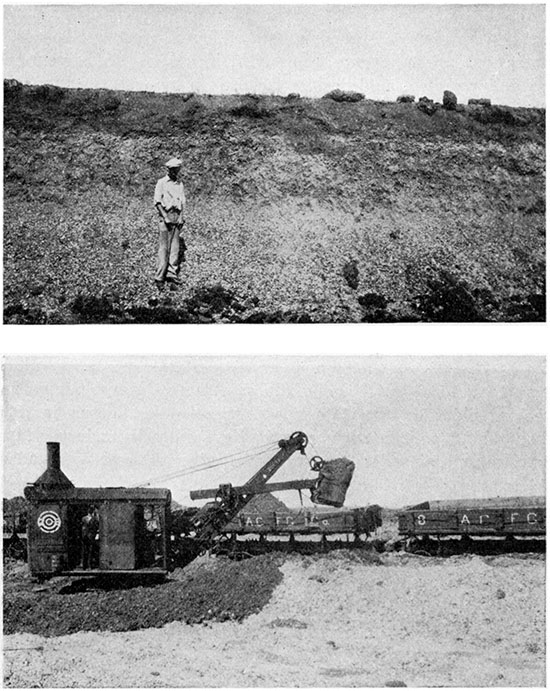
column 170, row 203
column 90, row 527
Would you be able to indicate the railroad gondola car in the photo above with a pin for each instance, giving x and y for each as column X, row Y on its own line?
column 437, row 523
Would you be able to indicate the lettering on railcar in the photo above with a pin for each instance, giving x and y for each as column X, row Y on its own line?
column 284, row 519
column 473, row 517
column 254, row 522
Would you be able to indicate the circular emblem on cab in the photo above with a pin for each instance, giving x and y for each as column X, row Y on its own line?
column 49, row 522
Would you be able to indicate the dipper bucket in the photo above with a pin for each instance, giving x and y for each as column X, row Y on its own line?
column 333, row 482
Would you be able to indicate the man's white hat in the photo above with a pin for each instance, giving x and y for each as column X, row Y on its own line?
column 173, row 163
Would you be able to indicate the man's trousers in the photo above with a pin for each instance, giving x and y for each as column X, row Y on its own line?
column 169, row 250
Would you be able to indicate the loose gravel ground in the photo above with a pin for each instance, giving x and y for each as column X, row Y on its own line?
column 334, row 620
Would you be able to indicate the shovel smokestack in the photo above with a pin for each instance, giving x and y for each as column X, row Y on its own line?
column 53, row 477
column 54, row 458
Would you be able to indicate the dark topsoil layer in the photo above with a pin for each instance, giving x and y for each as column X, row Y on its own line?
column 221, row 591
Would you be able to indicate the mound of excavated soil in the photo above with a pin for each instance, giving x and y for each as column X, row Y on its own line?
column 333, row 621
column 227, row 591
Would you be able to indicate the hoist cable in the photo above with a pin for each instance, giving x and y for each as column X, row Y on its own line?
column 217, row 465
column 240, row 462
column 200, row 468
column 212, row 463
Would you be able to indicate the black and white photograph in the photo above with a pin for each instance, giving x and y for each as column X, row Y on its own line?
column 274, row 521
column 253, row 164
column 348, row 490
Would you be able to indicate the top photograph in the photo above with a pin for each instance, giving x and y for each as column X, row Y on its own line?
column 260, row 164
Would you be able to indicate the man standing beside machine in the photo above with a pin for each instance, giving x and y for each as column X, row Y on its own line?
column 169, row 201
column 90, row 529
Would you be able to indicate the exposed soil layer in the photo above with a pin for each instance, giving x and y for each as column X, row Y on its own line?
column 301, row 210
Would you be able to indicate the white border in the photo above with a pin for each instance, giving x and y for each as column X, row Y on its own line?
column 278, row 339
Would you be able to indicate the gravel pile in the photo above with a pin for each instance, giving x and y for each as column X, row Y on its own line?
column 220, row 591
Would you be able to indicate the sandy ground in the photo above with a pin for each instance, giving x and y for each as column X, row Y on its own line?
column 415, row 621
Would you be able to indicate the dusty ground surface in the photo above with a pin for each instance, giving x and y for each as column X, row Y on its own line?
column 339, row 619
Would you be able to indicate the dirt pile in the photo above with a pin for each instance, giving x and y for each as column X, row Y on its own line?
column 332, row 621
column 223, row 591
column 442, row 217
column 261, row 503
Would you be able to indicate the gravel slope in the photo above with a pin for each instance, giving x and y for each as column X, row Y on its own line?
column 333, row 621
column 299, row 210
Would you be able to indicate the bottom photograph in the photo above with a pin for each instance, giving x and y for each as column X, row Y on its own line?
column 274, row 521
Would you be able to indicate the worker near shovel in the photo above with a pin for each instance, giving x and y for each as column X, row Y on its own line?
column 170, row 203
column 90, row 528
